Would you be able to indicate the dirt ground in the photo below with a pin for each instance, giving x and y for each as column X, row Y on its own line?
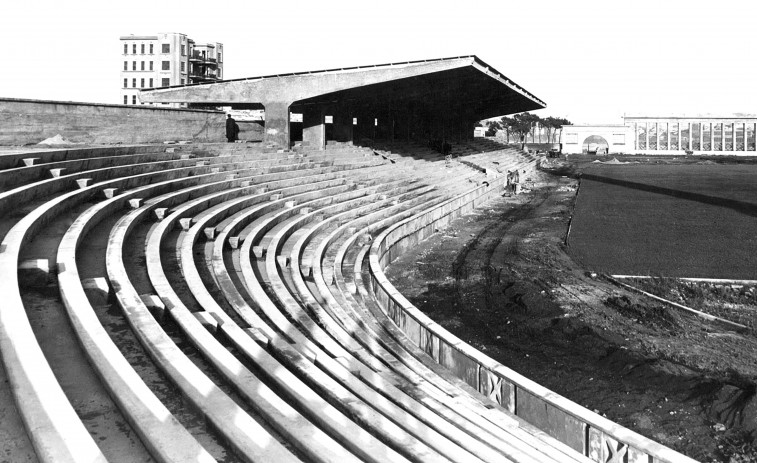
column 503, row 280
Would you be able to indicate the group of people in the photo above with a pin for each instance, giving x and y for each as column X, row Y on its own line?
column 513, row 180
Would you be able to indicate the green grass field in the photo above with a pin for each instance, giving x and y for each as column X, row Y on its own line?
column 696, row 221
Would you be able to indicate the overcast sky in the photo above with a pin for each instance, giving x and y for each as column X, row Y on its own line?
column 591, row 61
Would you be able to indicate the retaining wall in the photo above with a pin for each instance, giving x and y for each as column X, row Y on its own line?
column 24, row 122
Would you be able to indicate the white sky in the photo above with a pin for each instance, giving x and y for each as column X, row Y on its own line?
column 591, row 61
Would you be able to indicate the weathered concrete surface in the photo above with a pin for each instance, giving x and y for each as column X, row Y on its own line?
column 24, row 122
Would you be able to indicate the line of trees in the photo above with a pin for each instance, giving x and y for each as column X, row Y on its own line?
column 520, row 126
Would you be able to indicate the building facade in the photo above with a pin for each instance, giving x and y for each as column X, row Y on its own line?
column 731, row 135
column 166, row 59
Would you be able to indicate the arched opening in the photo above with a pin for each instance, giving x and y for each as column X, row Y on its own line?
column 595, row 145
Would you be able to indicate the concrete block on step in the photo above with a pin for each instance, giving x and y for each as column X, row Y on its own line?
column 109, row 192
column 234, row 242
column 135, row 203
column 57, row 172
column 245, row 183
column 290, row 204
column 210, row 232
column 185, row 157
column 83, row 182
column 97, row 290
column 207, row 320
column 259, row 251
column 185, row 223
column 283, row 261
column 155, row 305
column 261, row 190
column 200, row 163
column 160, row 212
column 33, row 273
column 275, row 197
column 215, row 170
column 305, row 210
column 28, row 162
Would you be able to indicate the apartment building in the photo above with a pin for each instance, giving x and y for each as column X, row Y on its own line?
column 166, row 59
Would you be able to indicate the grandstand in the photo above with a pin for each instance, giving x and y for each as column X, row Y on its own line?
column 206, row 302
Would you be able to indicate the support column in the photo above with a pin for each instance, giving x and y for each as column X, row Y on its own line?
column 342, row 124
column 691, row 135
column 277, row 124
column 646, row 135
column 712, row 136
column 678, row 130
column 667, row 135
column 733, row 135
column 314, row 127
column 657, row 135
column 745, row 137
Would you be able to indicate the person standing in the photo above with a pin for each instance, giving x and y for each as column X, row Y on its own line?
column 232, row 129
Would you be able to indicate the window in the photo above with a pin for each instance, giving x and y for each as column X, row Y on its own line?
column 151, row 65
column 219, row 57
column 166, row 48
column 126, row 83
column 142, row 49
column 126, row 65
column 133, row 65
column 143, row 65
column 134, row 49
column 375, row 122
column 183, row 50
column 166, row 65
column 165, row 82
column 619, row 139
column 182, row 81
column 150, row 82
column 142, row 83
column 134, row 82
column 354, row 121
column 126, row 49
column 571, row 138
column 182, row 66
column 151, row 49
column 134, row 99
column 126, row 99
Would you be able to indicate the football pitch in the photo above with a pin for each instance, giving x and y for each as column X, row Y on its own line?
column 697, row 221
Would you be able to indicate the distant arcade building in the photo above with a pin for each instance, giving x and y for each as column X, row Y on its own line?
column 426, row 100
column 166, row 59
column 731, row 135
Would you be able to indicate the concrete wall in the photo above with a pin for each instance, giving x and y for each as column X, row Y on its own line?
column 24, row 122
column 618, row 137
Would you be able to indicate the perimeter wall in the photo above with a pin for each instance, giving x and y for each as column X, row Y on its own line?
column 24, row 122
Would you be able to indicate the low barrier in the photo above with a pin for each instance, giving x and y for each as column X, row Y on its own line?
column 586, row 432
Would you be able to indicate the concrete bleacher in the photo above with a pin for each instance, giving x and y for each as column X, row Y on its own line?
column 252, row 279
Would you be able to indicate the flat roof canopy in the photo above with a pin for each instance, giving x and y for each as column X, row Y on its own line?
column 464, row 85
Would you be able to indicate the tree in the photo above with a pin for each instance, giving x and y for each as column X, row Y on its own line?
column 492, row 128
column 552, row 125
column 522, row 124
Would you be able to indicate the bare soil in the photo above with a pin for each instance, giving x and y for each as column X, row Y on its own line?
column 502, row 279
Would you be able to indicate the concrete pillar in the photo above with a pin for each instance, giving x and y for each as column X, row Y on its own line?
column 678, row 126
column 277, row 124
column 646, row 135
column 657, row 135
column 691, row 135
column 733, row 135
column 342, row 125
column 314, row 127
column 667, row 135
column 711, row 128
column 744, row 123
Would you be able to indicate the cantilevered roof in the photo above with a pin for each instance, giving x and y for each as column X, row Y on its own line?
column 459, row 83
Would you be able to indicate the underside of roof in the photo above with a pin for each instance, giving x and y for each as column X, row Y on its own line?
column 448, row 84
